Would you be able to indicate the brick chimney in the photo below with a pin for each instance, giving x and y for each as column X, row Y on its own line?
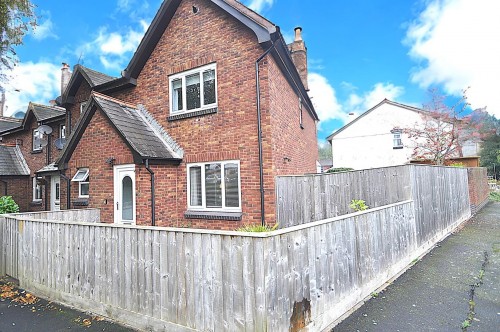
column 65, row 76
column 298, row 51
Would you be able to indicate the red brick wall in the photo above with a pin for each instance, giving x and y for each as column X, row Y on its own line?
column 81, row 96
column 193, row 40
column 478, row 188
column 35, row 160
column 18, row 187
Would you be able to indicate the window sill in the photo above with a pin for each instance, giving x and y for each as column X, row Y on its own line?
column 397, row 147
column 80, row 202
column 213, row 215
column 36, row 151
column 36, row 203
column 192, row 114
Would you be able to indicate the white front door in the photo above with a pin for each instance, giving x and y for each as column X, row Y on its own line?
column 55, row 193
column 124, row 188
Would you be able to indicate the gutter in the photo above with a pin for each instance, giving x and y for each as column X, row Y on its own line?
column 259, row 133
column 153, row 221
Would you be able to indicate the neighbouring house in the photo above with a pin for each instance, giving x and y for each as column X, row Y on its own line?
column 32, row 145
column 211, row 108
column 325, row 164
column 376, row 138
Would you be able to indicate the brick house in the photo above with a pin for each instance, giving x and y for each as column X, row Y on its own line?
column 211, row 108
column 25, row 150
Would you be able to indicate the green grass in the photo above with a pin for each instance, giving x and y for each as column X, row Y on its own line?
column 495, row 196
column 258, row 228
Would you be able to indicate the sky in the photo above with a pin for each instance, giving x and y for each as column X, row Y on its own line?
column 359, row 52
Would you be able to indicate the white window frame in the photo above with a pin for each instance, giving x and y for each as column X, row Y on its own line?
column 37, row 133
column 203, row 206
column 182, row 76
column 82, row 177
column 37, row 188
column 396, row 136
column 82, row 106
column 62, row 131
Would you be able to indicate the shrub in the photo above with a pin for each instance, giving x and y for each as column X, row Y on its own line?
column 358, row 205
column 8, row 205
column 339, row 169
column 258, row 228
column 457, row 165
column 494, row 196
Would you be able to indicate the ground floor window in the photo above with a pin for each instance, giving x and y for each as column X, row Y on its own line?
column 214, row 186
column 37, row 190
column 82, row 177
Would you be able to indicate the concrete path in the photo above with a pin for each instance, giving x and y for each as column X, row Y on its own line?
column 22, row 312
column 456, row 287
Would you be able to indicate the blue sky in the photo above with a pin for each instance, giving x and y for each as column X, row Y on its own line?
column 359, row 51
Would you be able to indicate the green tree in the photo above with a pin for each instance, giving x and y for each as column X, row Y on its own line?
column 489, row 155
column 16, row 18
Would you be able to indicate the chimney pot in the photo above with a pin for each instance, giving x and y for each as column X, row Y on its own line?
column 298, row 34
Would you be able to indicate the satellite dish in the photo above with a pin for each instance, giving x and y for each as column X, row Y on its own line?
column 45, row 130
column 43, row 141
column 59, row 143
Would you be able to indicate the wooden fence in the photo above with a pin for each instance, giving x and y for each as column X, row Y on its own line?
column 169, row 279
column 303, row 199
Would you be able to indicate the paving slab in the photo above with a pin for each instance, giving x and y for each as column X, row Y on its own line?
column 454, row 285
column 20, row 311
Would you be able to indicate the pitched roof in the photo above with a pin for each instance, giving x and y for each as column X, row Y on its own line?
column 92, row 77
column 45, row 112
column 267, row 33
column 41, row 113
column 142, row 134
column 385, row 101
column 12, row 162
column 7, row 123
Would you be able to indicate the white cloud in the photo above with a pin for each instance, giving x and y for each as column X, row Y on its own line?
column 45, row 29
column 114, row 49
column 259, row 5
column 456, row 45
column 359, row 104
column 324, row 98
column 38, row 82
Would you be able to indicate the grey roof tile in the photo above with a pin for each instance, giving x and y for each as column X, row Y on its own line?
column 45, row 112
column 146, row 140
column 95, row 77
column 12, row 161
column 9, row 123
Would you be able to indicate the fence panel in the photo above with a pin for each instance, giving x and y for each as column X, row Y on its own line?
column 304, row 199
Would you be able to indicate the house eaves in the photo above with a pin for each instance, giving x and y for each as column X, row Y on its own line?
column 385, row 101
column 43, row 114
column 268, row 35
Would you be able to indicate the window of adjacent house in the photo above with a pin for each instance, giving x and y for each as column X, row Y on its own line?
column 62, row 131
column 37, row 190
column 193, row 90
column 214, row 186
column 37, row 140
column 397, row 141
column 82, row 177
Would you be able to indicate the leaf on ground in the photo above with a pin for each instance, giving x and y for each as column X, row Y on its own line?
column 86, row 322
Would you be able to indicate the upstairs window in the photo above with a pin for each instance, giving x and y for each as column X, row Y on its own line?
column 397, row 142
column 37, row 140
column 193, row 90
column 82, row 177
column 62, row 131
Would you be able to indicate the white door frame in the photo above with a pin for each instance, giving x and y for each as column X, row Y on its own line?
column 120, row 172
column 55, row 204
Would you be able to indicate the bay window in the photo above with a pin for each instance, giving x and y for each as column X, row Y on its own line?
column 214, row 186
column 193, row 90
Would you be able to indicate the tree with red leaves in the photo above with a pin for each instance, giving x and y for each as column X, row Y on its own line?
column 443, row 131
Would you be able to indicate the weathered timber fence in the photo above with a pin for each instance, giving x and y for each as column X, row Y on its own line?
column 303, row 199
column 181, row 279
column 170, row 279
column 478, row 188
column 80, row 215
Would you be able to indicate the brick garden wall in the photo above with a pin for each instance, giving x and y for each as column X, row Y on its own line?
column 478, row 188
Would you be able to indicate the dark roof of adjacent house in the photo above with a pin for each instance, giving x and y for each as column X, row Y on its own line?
column 41, row 113
column 267, row 33
column 8, row 123
column 142, row 134
column 12, row 162
column 385, row 101
column 92, row 77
